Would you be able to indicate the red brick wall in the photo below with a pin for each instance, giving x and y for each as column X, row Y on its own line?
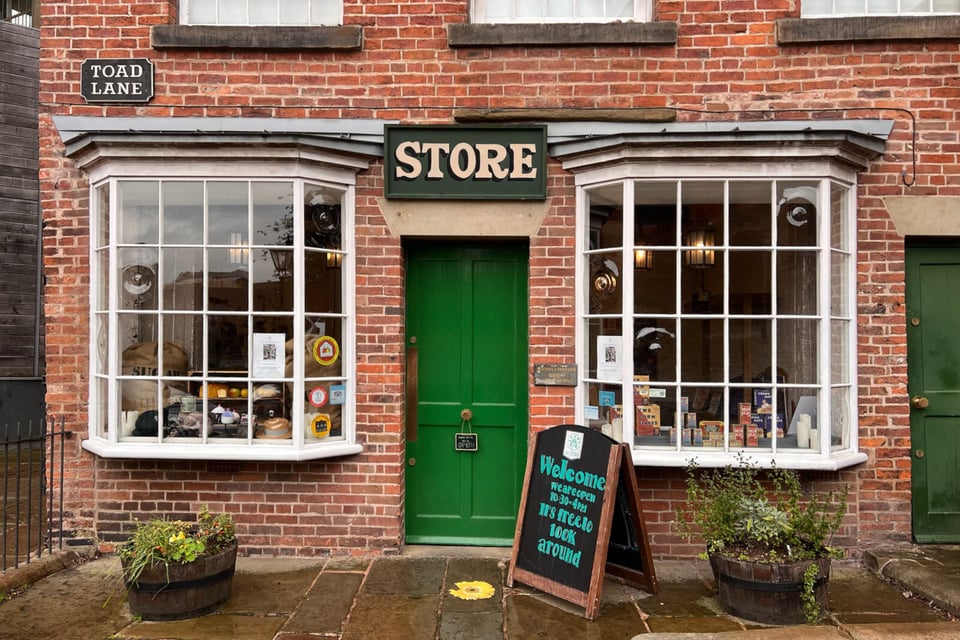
column 726, row 60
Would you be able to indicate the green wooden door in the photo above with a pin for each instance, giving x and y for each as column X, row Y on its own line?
column 933, row 369
column 466, row 350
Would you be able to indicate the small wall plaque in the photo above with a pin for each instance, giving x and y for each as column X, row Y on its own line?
column 116, row 80
column 555, row 375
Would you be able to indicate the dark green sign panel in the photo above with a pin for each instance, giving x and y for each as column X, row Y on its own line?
column 465, row 163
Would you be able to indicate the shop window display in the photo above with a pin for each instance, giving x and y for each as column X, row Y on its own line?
column 220, row 313
column 711, row 321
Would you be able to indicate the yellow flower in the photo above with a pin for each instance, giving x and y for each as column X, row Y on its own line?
column 177, row 537
column 476, row 590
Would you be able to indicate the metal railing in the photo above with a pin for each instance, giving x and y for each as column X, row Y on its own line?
column 25, row 13
column 32, row 457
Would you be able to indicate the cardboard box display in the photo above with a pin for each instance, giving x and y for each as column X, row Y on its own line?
column 648, row 420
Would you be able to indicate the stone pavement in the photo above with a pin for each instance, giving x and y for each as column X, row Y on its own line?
column 407, row 597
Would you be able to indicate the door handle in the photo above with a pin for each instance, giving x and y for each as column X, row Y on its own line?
column 412, row 394
column 919, row 402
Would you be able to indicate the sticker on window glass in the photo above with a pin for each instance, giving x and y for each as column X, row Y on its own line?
column 326, row 350
column 338, row 394
column 319, row 396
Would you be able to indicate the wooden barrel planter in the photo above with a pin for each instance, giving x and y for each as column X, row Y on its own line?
column 768, row 593
column 183, row 590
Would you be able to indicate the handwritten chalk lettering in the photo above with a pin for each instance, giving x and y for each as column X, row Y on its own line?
column 574, row 520
column 465, row 161
column 548, row 510
column 563, row 472
column 578, row 494
column 559, row 551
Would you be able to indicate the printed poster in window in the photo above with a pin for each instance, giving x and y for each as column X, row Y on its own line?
column 609, row 356
column 268, row 356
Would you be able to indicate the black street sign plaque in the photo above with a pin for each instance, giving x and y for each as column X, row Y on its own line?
column 116, row 80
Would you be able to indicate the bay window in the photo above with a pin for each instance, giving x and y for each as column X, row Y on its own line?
column 716, row 295
column 222, row 316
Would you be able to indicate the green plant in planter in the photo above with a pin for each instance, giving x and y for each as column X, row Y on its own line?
column 162, row 542
column 745, row 513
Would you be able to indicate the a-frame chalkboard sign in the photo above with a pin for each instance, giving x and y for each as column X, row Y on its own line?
column 580, row 517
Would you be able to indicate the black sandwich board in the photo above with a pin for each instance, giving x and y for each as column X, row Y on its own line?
column 580, row 516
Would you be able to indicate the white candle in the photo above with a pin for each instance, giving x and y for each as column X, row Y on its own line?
column 803, row 431
column 815, row 439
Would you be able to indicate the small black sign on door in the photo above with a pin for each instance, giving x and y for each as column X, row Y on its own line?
column 116, row 80
column 466, row 442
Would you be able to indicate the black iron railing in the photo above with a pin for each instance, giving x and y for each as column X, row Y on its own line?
column 31, row 480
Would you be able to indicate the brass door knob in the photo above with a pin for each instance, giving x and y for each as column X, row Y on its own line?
column 919, row 402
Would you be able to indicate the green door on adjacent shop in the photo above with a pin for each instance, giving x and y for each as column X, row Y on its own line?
column 466, row 374
column 933, row 371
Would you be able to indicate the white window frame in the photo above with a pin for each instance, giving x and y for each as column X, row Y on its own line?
column 170, row 166
column 806, row 12
column 642, row 12
column 185, row 11
column 828, row 458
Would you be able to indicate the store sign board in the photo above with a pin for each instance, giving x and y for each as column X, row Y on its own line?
column 116, row 80
column 466, row 163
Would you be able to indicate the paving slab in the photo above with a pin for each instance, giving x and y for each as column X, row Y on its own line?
column 931, row 572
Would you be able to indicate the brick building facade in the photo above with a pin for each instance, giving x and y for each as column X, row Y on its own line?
column 240, row 206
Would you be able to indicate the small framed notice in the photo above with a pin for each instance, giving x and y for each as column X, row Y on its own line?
column 269, row 357
column 465, row 442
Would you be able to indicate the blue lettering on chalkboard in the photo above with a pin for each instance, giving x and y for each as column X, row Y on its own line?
column 559, row 551
column 561, row 471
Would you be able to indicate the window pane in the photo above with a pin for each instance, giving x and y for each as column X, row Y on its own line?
column 750, row 286
column 101, row 295
column 703, row 207
column 562, row 8
column 655, row 214
column 232, row 12
column 881, row 6
column 273, row 280
column 529, row 8
column 797, row 283
column 701, row 351
column 750, row 349
column 850, row 6
column 228, row 211
column 606, row 217
column 227, row 284
column 701, row 286
column 103, row 216
column 139, row 212
column 325, row 12
column 839, row 217
column 798, row 350
column 323, row 275
column 797, row 214
column 183, row 279
column 605, row 348
column 138, row 278
column 655, row 349
column 263, row 12
column 294, row 11
column 840, row 421
column 227, row 344
column 323, row 408
column 839, row 349
column 620, row 8
column 816, row 7
column 183, row 212
column 839, row 291
column 201, row 12
column 586, row 9
column 654, row 281
column 606, row 283
column 498, row 9
column 946, row 6
column 750, row 214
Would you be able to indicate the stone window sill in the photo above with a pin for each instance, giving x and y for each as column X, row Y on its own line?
column 511, row 35
column 867, row 28
column 216, row 37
